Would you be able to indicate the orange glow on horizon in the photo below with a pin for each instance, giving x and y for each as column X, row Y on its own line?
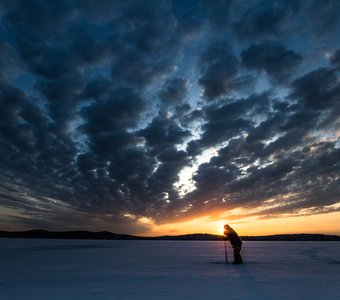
column 323, row 223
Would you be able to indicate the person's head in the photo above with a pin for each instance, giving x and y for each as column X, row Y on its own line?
column 226, row 227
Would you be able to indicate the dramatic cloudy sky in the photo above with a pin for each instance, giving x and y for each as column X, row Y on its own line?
column 132, row 115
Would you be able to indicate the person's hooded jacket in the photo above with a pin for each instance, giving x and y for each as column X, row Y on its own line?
column 232, row 236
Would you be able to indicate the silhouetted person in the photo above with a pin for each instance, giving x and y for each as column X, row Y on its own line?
column 235, row 241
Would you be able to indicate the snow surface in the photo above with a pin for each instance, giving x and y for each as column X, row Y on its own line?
column 69, row 269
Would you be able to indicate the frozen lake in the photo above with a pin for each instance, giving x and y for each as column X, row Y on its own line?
column 69, row 269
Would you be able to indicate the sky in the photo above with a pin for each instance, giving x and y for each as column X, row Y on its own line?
column 169, row 117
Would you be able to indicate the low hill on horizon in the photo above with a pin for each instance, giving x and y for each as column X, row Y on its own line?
column 106, row 235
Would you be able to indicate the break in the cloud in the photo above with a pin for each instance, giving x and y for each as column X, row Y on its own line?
column 122, row 114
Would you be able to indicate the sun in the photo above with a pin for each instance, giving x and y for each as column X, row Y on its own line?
column 221, row 230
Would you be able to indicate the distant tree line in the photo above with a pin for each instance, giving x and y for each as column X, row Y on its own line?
column 106, row 235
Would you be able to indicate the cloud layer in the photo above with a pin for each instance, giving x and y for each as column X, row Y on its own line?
column 120, row 114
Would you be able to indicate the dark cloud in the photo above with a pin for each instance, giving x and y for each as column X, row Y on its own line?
column 218, row 12
column 335, row 58
column 29, row 34
column 323, row 16
column 151, row 53
column 163, row 133
column 120, row 111
column 174, row 91
column 273, row 58
column 189, row 27
column 9, row 61
column 318, row 89
column 227, row 121
column 298, row 173
column 219, row 68
column 101, row 111
column 262, row 18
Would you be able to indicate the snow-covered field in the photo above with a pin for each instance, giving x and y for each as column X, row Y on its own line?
column 100, row 270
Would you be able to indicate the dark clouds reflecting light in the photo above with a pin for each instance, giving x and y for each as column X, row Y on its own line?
column 103, row 104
